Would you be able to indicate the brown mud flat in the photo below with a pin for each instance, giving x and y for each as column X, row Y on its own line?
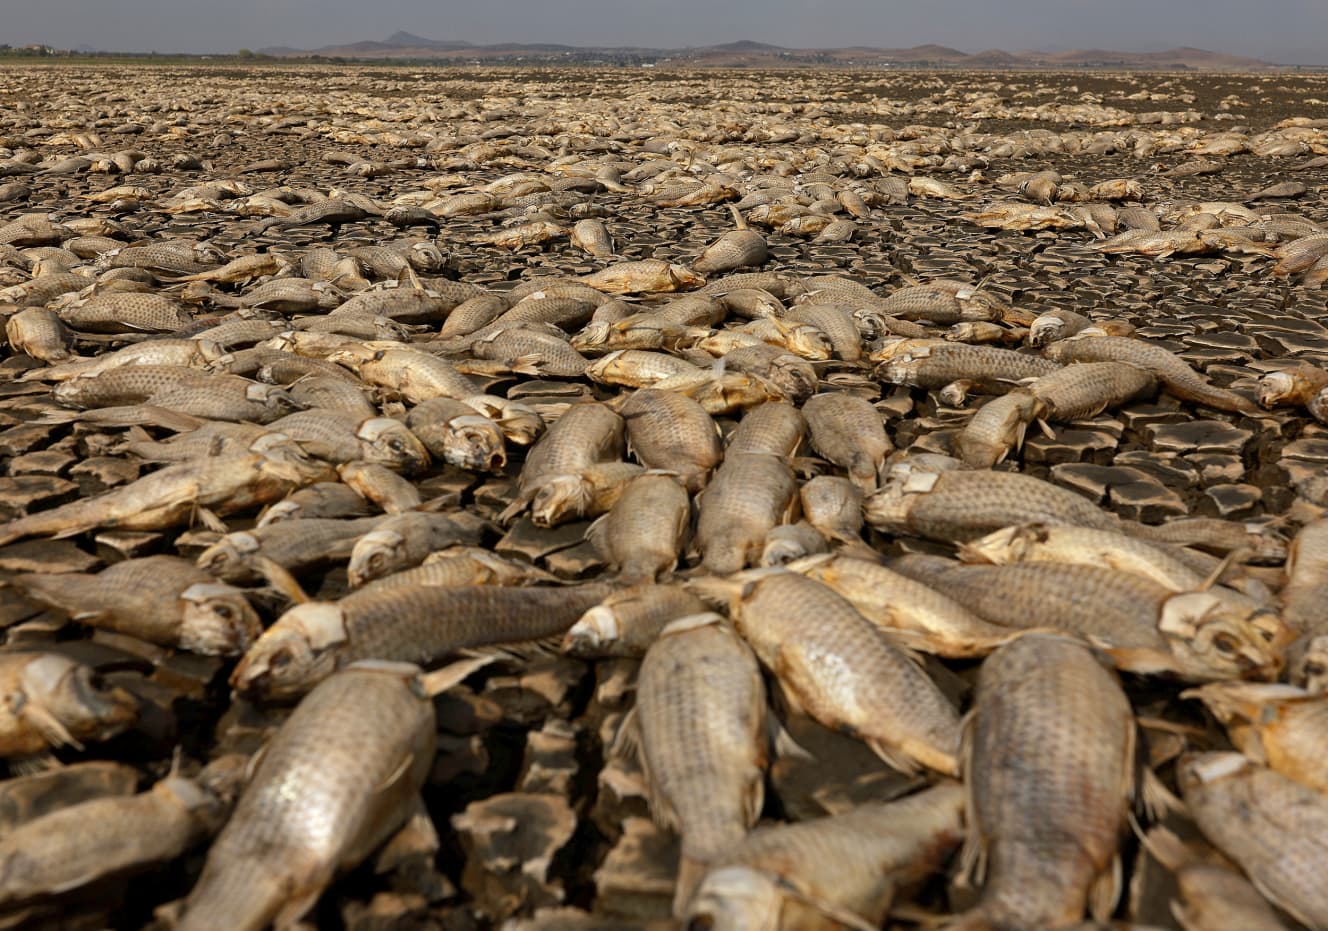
column 536, row 824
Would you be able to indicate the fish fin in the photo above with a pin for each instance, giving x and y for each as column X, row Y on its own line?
column 626, row 743
column 519, row 504
column 1106, row 890
column 210, row 520
column 1221, row 568
column 48, row 725
column 280, row 578
column 1137, row 659
column 836, row 913
column 690, row 873
column 396, row 774
column 34, row 763
column 440, row 680
column 299, row 902
column 1046, row 429
column 1155, row 798
column 596, row 535
column 782, row 742
column 528, row 364
column 521, row 652
column 893, row 757
column 973, row 857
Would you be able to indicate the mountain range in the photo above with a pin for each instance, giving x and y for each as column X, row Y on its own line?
column 747, row 54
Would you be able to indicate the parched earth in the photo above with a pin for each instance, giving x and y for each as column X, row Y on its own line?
column 418, row 252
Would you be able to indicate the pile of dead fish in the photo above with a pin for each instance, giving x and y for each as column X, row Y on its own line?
column 546, row 506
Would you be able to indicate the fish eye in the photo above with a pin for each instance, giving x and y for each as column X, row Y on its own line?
column 280, row 659
column 396, row 444
column 1225, row 644
column 1313, row 669
column 223, row 611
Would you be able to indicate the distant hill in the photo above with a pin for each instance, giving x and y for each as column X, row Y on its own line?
column 749, row 54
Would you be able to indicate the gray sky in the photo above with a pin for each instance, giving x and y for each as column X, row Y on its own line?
column 1291, row 31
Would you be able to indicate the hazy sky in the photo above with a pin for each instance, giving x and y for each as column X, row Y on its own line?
column 1292, row 31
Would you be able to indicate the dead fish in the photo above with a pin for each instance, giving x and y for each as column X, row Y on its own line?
column 845, row 672
column 593, row 237
column 161, row 599
column 749, row 495
column 959, row 506
column 1273, row 828
column 911, row 612
column 1083, row 546
column 460, row 565
column 297, row 545
column 1214, row 896
column 402, row 541
column 358, row 747
column 423, row 623
column 40, row 333
column 385, row 488
column 673, row 433
column 168, row 497
column 788, row 542
column 774, row 428
column 52, row 701
column 456, row 434
column 629, row 620
column 840, row 871
column 643, row 275
column 1049, row 770
column 997, row 428
column 735, row 249
column 585, row 435
column 700, row 710
column 1279, row 726
column 84, row 843
column 1172, row 372
column 338, row 437
column 1086, row 389
column 849, row 432
column 1144, row 626
column 934, row 363
column 642, row 535
column 833, row 505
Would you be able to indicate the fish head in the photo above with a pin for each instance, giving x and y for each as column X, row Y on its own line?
column 683, row 278
column 68, row 699
column 474, row 443
column 375, row 555
column 735, row 898
column 425, row 257
column 809, row 342
column 1309, row 664
column 282, row 510
column 560, row 497
column 217, row 620
column 277, row 402
column 1275, row 387
column 592, row 632
column 391, row 443
column 230, row 556
column 1045, row 329
column 1222, row 635
column 294, row 654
